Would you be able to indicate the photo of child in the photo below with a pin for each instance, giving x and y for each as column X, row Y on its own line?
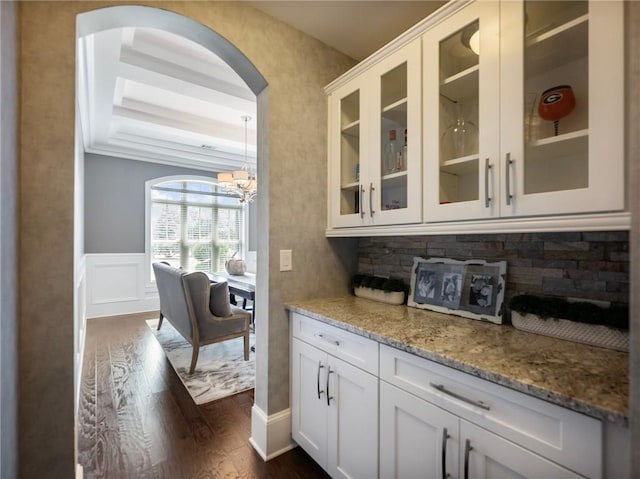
column 451, row 289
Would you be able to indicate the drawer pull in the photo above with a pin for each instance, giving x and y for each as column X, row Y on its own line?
column 328, row 340
column 477, row 403
column 467, row 450
column 320, row 366
column 445, row 436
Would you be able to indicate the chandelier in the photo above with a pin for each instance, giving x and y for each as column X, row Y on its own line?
column 243, row 183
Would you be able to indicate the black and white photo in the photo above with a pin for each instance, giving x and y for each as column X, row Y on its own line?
column 472, row 288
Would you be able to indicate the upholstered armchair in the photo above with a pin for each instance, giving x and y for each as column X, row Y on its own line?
column 198, row 309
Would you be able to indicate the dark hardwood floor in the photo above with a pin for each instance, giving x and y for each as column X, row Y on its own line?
column 136, row 419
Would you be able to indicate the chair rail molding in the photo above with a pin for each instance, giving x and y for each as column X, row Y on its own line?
column 116, row 285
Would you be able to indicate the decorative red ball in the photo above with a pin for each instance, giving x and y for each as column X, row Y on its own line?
column 556, row 103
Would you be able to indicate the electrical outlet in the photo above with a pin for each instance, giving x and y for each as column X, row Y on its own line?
column 286, row 260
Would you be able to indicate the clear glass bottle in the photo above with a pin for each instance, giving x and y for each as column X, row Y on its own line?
column 405, row 150
column 390, row 153
column 461, row 137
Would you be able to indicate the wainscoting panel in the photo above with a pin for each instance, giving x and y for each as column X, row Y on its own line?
column 116, row 285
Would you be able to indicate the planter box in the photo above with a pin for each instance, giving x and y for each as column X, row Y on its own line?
column 389, row 297
column 593, row 334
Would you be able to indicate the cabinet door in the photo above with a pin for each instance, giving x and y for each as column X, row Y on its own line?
column 395, row 183
column 562, row 107
column 347, row 140
column 417, row 439
column 352, row 421
column 486, row 455
column 461, row 67
column 308, row 400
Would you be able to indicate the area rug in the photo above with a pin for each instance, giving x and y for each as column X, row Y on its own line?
column 221, row 369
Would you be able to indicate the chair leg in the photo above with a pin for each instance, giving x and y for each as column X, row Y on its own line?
column 246, row 347
column 160, row 321
column 194, row 358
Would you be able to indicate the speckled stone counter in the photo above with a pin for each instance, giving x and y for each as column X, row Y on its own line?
column 586, row 379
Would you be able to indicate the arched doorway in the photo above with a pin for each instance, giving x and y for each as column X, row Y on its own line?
column 136, row 16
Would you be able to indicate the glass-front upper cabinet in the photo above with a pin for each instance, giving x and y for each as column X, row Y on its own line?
column 461, row 114
column 522, row 115
column 375, row 144
column 561, row 107
column 346, row 144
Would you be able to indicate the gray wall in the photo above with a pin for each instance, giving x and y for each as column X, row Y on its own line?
column 115, row 202
column 8, row 241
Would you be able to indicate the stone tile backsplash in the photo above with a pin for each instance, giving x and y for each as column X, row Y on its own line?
column 593, row 265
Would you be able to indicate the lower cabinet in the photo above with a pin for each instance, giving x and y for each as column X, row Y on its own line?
column 334, row 412
column 417, row 439
column 366, row 410
column 420, row 440
column 451, row 424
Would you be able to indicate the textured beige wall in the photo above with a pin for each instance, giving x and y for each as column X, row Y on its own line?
column 296, row 68
column 633, row 154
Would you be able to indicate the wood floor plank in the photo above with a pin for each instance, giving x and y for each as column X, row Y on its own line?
column 108, row 455
column 87, row 421
column 129, row 400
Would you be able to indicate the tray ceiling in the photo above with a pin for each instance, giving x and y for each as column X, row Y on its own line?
column 150, row 95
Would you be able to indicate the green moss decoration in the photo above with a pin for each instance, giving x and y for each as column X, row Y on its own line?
column 378, row 282
column 581, row 312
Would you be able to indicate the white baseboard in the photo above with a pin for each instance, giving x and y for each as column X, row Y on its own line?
column 79, row 471
column 271, row 435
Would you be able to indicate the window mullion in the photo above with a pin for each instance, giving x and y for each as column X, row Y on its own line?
column 184, row 247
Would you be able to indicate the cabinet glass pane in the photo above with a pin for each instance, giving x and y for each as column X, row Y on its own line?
column 458, row 115
column 556, row 123
column 393, row 148
column 350, row 153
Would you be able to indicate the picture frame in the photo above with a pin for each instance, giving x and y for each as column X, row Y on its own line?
column 471, row 288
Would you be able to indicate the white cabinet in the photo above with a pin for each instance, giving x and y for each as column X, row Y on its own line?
column 434, row 418
column 334, row 404
column 486, row 456
column 528, row 119
column 467, row 84
column 418, row 439
column 375, row 128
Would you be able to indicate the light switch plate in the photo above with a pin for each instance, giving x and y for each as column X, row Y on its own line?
column 286, row 260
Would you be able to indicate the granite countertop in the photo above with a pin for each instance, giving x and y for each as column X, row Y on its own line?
column 587, row 379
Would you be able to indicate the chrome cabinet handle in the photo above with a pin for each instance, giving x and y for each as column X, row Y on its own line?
column 445, row 436
column 467, row 450
column 329, row 396
column 320, row 366
column 507, row 170
column 361, row 203
column 328, row 340
column 487, row 167
column 473, row 402
column 371, row 188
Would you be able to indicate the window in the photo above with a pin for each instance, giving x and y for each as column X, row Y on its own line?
column 190, row 224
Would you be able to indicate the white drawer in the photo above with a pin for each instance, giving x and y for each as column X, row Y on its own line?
column 352, row 348
column 566, row 437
